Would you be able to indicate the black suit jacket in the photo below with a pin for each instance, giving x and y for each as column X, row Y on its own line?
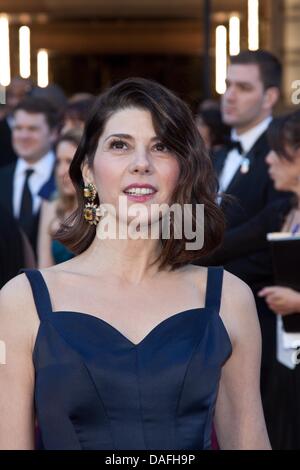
column 250, row 194
column 6, row 196
column 7, row 153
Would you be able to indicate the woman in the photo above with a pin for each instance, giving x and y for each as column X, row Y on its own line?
column 140, row 349
column 284, row 163
column 55, row 212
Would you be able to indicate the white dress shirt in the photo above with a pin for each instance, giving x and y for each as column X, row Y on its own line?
column 287, row 345
column 42, row 173
column 234, row 159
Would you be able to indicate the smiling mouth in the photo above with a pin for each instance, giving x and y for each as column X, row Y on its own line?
column 140, row 194
column 139, row 191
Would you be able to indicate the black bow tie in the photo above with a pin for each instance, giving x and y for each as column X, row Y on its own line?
column 235, row 144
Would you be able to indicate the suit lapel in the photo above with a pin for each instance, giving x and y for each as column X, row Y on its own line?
column 218, row 160
column 49, row 188
column 258, row 148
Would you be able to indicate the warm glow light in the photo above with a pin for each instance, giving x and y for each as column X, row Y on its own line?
column 4, row 51
column 42, row 68
column 253, row 25
column 234, row 35
column 221, row 59
column 24, row 51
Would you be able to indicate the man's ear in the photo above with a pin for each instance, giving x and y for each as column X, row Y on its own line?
column 272, row 95
column 87, row 173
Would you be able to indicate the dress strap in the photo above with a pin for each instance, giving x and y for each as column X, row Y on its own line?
column 214, row 287
column 40, row 293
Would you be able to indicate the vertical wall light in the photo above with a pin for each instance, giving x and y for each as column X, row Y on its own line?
column 42, row 68
column 4, row 53
column 253, row 25
column 221, row 59
column 24, row 51
column 234, row 35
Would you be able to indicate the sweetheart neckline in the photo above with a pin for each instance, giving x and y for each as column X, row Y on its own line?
column 120, row 334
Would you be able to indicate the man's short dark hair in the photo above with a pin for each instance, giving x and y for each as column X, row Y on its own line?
column 34, row 105
column 269, row 66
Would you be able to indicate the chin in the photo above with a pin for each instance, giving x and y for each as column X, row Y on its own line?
column 229, row 121
column 26, row 154
column 280, row 187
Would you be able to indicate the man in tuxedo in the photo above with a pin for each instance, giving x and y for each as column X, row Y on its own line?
column 22, row 182
column 253, row 88
column 15, row 93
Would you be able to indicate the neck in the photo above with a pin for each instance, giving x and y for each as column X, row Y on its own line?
column 130, row 260
column 32, row 159
column 247, row 127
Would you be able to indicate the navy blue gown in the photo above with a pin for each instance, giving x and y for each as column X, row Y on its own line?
column 95, row 389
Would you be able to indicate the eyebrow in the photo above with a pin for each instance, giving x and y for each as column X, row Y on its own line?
column 237, row 82
column 127, row 136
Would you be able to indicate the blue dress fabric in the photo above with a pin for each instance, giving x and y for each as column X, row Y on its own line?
column 60, row 252
column 95, row 389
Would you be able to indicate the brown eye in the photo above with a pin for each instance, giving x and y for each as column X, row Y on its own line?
column 160, row 147
column 118, row 145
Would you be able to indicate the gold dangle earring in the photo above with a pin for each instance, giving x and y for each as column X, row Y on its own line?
column 91, row 212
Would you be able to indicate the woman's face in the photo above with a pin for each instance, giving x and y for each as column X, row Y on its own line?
column 131, row 161
column 64, row 154
column 285, row 173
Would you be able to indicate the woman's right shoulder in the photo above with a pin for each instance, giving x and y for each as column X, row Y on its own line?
column 16, row 300
column 19, row 323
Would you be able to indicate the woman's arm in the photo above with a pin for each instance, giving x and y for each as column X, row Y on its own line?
column 239, row 419
column 16, row 367
column 47, row 216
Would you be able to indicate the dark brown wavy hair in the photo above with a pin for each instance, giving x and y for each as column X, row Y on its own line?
column 284, row 130
column 175, row 126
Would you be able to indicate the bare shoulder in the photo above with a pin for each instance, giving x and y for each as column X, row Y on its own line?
column 235, row 291
column 197, row 273
column 17, row 309
column 16, row 293
column 238, row 308
column 59, row 271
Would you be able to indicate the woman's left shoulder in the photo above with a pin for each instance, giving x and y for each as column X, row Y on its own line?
column 238, row 308
column 233, row 284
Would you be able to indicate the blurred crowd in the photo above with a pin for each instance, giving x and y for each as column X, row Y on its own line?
column 256, row 157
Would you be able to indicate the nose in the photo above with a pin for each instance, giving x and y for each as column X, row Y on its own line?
column 141, row 163
column 21, row 134
column 61, row 170
column 230, row 93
